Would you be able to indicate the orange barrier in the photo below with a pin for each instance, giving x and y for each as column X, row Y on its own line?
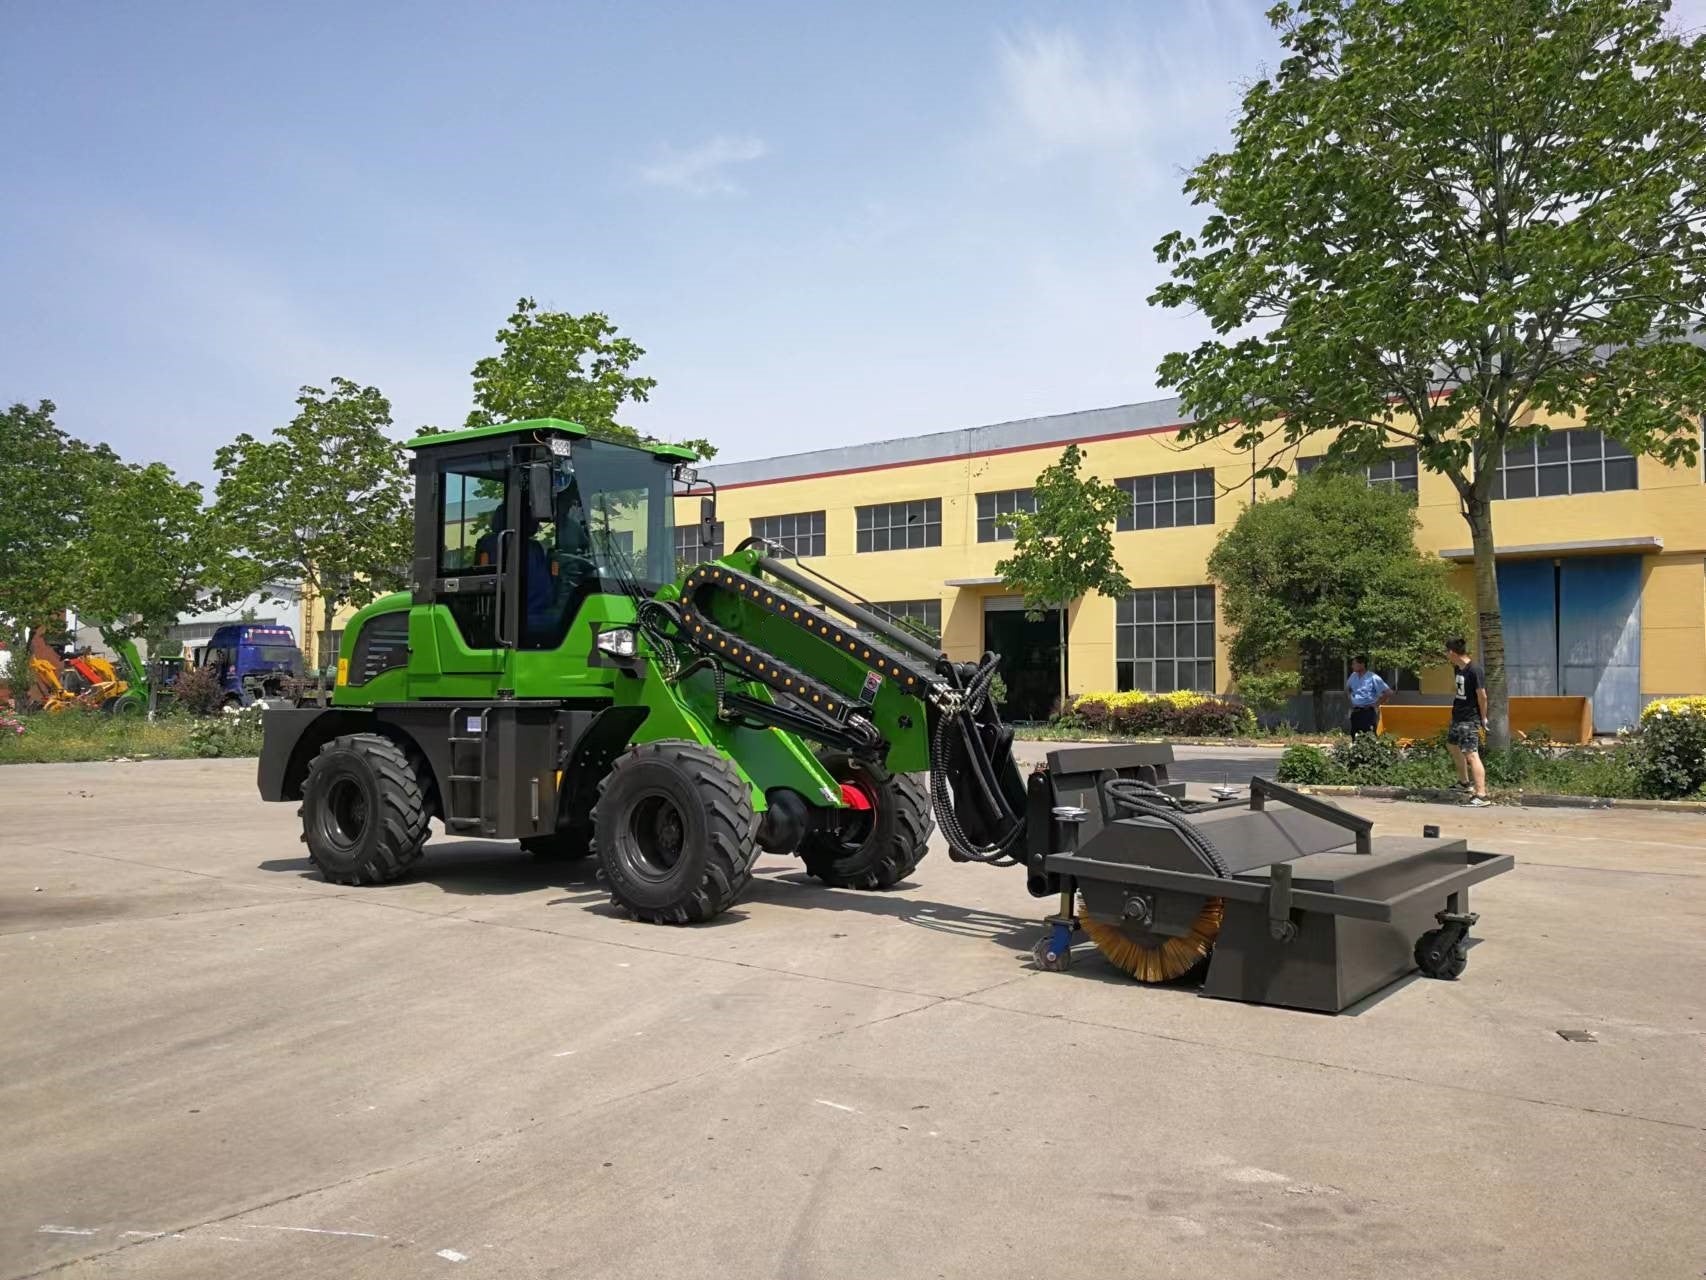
column 1564, row 719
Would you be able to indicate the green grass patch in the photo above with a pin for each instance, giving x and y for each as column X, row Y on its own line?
column 75, row 736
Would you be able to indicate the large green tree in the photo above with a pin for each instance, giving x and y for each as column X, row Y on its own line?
column 1329, row 571
column 144, row 555
column 554, row 364
column 323, row 503
column 1065, row 548
column 46, row 481
column 1446, row 224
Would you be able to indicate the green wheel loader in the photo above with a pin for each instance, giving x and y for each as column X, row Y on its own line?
column 553, row 676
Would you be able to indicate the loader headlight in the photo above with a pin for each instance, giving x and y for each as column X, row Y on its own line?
column 618, row 642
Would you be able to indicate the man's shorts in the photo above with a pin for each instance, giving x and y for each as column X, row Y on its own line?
column 1465, row 735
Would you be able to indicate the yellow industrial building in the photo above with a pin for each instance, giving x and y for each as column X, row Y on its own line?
column 1602, row 557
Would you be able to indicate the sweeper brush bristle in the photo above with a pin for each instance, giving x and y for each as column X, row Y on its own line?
column 1152, row 957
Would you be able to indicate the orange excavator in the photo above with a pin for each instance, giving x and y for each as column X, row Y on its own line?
column 87, row 682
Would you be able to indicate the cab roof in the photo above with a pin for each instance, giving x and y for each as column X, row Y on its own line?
column 562, row 426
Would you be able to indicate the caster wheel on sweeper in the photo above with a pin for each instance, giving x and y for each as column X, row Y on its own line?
column 1436, row 959
column 1440, row 952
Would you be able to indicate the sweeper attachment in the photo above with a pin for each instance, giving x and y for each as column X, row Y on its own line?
column 1282, row 899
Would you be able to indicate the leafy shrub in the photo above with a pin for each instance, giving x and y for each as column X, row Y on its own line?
column 1184, row 713
column 1264, row 691
column 1670, row 758
column 199, row 690
column 234, row 733
column 1304, row 765
column 10, row 725
column 1368, row 758
column 1530, row 765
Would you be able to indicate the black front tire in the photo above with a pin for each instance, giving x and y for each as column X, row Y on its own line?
column 675, row 832
column 364, row 815
column 873, row 848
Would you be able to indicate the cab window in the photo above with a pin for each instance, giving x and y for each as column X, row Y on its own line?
column 471, row 514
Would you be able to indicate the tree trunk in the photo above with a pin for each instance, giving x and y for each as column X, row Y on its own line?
column 320, row 658
column 1490, row 652
column 1064, row 631
column 1318, row 707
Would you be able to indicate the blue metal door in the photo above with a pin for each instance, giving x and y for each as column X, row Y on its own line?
column 1599, row 640
column 1528, row 601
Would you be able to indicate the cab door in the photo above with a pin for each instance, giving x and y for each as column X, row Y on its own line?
column 463, row 549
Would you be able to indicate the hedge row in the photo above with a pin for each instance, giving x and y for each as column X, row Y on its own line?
column 1183, row 714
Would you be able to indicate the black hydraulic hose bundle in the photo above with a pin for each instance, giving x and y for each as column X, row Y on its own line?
column 1141, row 799
column 978, row 772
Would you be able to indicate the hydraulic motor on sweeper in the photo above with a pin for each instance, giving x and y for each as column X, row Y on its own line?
column 553, row 676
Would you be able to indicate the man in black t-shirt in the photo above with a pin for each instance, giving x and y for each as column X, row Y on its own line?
column 1468, row 720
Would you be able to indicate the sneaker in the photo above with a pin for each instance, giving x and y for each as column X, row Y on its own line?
column 1479, row 802
column 1461, row 786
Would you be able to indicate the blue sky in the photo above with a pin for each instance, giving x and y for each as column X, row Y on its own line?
column 825, row 223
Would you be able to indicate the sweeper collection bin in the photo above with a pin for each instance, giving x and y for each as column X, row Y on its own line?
column 1291, row 899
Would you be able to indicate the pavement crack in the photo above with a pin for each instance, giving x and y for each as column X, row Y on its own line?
column 219, row 1219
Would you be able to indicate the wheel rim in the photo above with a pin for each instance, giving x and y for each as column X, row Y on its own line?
column 657, row 836
column 855, row 826
column 345, row 821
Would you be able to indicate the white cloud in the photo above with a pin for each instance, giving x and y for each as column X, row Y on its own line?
column 1063, row 100
column 703, row 170
column 1161, row 91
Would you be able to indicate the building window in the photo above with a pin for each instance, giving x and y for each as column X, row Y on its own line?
column 800, row 533
column 992, row 506
column 1164, row 639
column 1395, row 470
column 899, row 526
column 1166, row 501
column 330, row 642
column 688, row 548
column 922, row 617
column 1565, row 462
column 1398, row 679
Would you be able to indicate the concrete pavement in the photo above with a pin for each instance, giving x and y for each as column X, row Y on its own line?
column 214, row 1064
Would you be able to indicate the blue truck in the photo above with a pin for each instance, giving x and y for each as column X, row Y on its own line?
column 255, row 662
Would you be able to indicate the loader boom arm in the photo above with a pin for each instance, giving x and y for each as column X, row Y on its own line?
column 811, row 658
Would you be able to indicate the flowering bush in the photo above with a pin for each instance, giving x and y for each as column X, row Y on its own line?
column 10, row 725
column 234, row 733
column 1181, row 714
column 1670, row 755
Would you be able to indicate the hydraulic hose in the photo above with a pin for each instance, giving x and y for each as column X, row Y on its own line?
column 982, row 776
column 1141, row 799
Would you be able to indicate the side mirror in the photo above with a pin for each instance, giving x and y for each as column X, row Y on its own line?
column 707, row 523
column 539, row 490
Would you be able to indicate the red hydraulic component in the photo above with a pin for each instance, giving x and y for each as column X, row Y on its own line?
column 854, row 796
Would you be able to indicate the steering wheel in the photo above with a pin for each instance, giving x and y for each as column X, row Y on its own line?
column 582, row 566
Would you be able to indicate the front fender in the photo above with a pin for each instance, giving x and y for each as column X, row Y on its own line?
column 764, row 758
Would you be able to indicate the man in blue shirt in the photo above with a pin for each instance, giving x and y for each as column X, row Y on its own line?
column 1367, row 692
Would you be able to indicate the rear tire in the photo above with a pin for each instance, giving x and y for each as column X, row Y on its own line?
column 875, row 848
column 675, row 832
column 364, row 814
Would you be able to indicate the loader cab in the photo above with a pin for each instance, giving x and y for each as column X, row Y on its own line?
column 518, row 527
